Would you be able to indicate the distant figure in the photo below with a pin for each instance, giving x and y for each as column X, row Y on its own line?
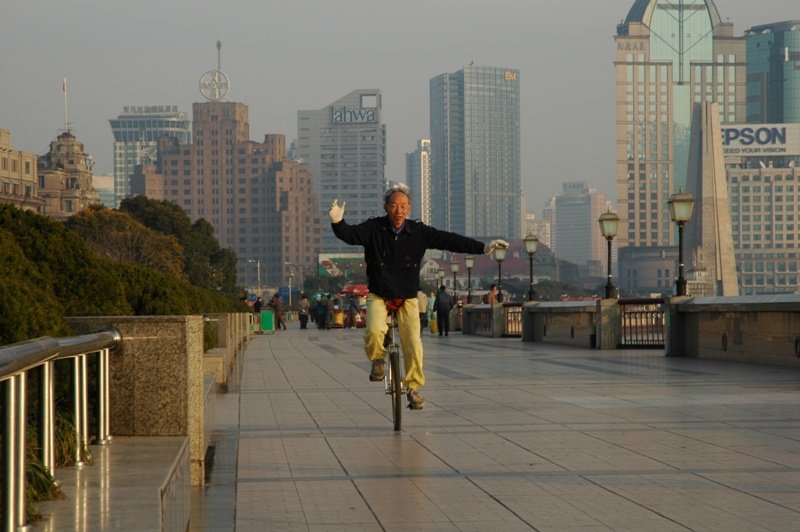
column 352, row 311
column 304, row 310
column 328, row 312
column 431, row 308
column 277, row 306
column 257, row 306
column 444, row 304
column 492, row 296
column 423, row 310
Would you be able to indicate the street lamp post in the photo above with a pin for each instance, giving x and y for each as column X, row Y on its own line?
column 681, row 205
column 290, row 290
column 531, row 243
column 609, row 221
column 499, row 256
column 258, row 275
column 454, row 266
column 469, row 260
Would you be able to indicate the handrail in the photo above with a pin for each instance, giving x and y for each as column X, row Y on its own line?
column 26, row 355
column 16, row 361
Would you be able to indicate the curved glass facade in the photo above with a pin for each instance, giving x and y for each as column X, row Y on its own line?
column 670, row 54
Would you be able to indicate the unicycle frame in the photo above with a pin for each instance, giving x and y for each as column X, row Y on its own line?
column 393, row 379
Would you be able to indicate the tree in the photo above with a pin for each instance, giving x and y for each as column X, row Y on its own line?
column 206, row 264
column 117, row 235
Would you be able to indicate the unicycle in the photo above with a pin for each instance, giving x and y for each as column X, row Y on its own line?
column 393, row 380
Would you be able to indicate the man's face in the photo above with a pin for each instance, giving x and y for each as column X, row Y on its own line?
column 398, row 208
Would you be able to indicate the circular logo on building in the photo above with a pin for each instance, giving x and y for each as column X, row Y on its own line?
column 214, row 85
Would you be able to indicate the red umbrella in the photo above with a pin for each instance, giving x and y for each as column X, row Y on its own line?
column 358, row 290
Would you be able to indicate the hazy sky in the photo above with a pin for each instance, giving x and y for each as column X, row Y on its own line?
column 282, row 56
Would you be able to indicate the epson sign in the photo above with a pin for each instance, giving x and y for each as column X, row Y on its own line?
column 761, row 140
column 343, row 115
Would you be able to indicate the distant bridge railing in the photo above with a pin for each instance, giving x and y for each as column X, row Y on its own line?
column 17, row 362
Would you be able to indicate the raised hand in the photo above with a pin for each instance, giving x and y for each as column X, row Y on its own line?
column 336, row 212
column 494, row 244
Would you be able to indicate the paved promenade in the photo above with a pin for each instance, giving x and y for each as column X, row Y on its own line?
column 513, row 437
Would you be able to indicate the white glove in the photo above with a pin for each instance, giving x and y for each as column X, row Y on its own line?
column 336, row 212
column 494, row 244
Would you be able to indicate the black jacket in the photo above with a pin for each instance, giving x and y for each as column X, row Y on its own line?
column 394, row 261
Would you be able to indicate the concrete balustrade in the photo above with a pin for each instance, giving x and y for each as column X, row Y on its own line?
column 754, row 329
column 157, row 375
column 232, row 332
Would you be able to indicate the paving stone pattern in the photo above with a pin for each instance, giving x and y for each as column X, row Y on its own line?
column 514, row 436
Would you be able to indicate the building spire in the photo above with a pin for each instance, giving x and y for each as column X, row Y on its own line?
column 219, row 54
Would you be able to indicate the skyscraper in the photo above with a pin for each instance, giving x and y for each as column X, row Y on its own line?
column 773, row 73
column 577, row 211
column 669, row 55
column 475, row 151
column 418, row 177
column 261, row 204
column 136, row 132
column 344, row 145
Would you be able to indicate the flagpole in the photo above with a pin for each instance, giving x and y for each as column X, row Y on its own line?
column 66, row 122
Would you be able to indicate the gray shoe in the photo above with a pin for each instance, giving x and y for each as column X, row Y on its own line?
column 415, row 400
column 377, row 370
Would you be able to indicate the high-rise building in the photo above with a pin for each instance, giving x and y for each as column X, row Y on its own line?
column 344, row 145
column 418, row 178
column 773, row 73
column 669, row 55
column 136, row 132
column 475, row 151
column 261, row 204
column 19, row 184
column 577, row 211
column 65, row 178
column 104, row 185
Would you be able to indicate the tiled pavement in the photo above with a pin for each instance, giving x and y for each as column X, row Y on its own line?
column 514, row 436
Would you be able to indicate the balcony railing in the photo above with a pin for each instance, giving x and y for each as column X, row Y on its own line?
column 17, row 362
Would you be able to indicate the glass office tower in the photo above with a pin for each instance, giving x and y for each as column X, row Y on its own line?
column 344, row 145
column 773, row 73
column 475, row 151
column 136, row 133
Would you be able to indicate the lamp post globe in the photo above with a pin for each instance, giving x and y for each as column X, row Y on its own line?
column 499, row 256
column 454, row 267
column 531, row 243
column 469, row 261
column 609, row 222
column 681, row 206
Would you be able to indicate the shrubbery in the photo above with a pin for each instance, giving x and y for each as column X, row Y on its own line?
column 49, row 272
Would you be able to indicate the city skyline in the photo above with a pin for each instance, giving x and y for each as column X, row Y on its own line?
column 100, row 48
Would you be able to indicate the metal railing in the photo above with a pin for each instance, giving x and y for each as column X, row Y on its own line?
column 642, row 322
column 16, row 362
column 512, row 319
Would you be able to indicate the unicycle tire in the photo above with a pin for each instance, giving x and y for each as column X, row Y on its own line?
column 397, row 389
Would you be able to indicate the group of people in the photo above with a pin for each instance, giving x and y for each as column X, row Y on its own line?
column 277, row 308
column 436, row 309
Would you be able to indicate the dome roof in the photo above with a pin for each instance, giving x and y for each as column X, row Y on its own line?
column 642, row 11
